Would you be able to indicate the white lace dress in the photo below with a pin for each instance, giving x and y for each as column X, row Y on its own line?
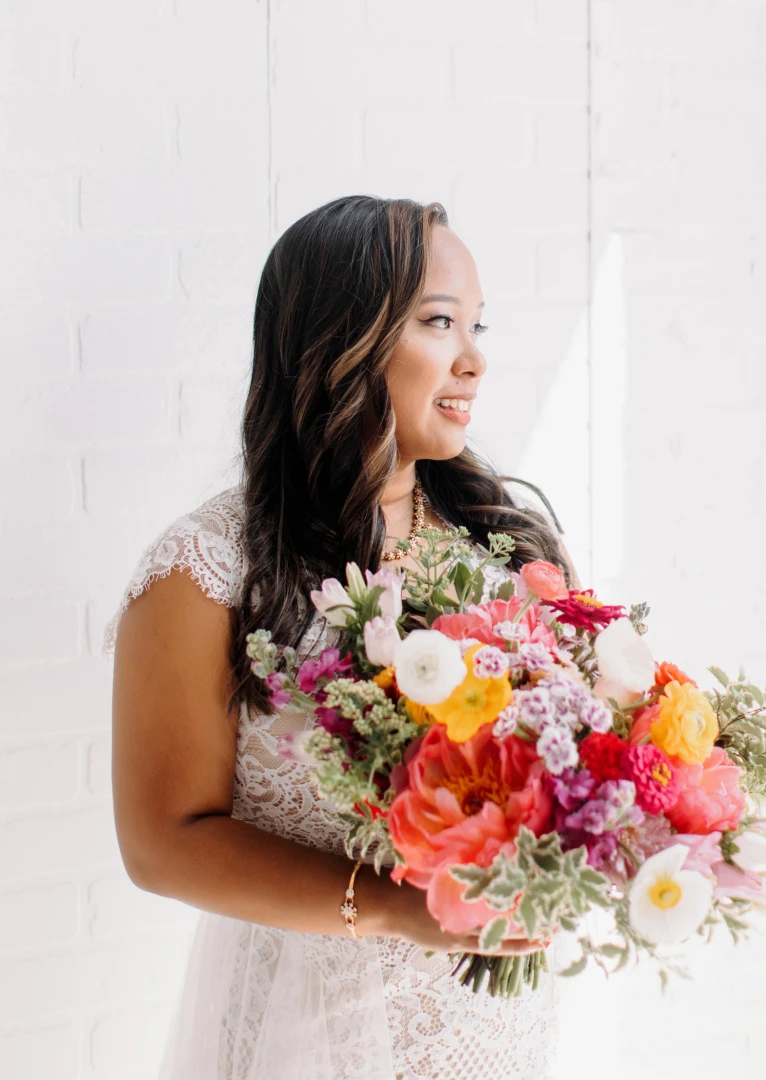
column 260, row 1003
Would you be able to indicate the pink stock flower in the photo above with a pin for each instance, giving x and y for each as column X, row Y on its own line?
column 465, row 803
column 710, row 798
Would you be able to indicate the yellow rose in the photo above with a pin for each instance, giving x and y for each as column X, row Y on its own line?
column 472, row 704
column 687, row 726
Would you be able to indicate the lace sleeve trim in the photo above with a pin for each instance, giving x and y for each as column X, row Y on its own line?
column 207, row 542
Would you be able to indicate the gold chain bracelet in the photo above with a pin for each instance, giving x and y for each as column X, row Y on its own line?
column 348, row 908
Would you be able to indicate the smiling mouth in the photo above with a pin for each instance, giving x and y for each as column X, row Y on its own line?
column 458, row 409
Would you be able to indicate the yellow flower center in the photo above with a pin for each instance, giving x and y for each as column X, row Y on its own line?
column 661, row 773
column 665, row 893
column 474, row 699
column 589, row 601
column 472, row 792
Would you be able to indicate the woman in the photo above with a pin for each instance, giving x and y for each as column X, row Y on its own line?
column 366, row 361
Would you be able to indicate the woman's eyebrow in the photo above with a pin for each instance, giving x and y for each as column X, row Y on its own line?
column 444, row 298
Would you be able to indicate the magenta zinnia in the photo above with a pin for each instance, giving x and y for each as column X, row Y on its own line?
column 583, row 609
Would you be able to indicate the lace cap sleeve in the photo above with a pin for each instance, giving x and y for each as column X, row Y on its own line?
column 207, row 542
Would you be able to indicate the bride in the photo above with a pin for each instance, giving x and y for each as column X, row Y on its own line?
column 366, row 361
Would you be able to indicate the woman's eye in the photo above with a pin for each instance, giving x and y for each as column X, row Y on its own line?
column 445, row 320
column 479, row 328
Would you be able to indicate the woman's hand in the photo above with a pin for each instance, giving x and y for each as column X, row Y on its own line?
column 401, row 911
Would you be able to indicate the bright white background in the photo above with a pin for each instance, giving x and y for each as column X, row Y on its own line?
column 606, row 163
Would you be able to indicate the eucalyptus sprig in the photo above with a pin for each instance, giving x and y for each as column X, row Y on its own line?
column 741, row 710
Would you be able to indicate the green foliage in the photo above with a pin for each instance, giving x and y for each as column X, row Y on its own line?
column 548, row 888
column 742, row 719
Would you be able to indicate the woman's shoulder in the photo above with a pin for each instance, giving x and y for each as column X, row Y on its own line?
column 206, row 541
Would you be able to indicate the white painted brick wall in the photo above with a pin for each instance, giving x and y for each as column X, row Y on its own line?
column 604, row 161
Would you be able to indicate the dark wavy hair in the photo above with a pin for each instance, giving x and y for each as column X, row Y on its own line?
column 318, row 435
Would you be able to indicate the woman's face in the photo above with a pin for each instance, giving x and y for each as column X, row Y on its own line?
column 438, row 357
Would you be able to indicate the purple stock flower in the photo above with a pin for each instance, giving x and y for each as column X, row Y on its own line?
column 535, row 657
column 557, row 748
column 592, row 817
column 602, row 850
column 572, row 787
column 597, row 716
column 536, row 707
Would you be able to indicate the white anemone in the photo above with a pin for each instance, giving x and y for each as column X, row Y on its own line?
column 667, row 903
column 428, row 666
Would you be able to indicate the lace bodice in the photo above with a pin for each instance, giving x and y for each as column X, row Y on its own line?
column 435, row 1026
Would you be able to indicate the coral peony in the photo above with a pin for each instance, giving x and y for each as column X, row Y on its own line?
column 544, row 580
column 687, row 725
column 666, row 672
column 709, row 797
column 474, row 702
column 465, row 802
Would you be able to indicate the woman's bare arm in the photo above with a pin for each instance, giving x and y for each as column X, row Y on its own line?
column 174, row 749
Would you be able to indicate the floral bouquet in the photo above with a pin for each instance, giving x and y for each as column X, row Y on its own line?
column 524, row 760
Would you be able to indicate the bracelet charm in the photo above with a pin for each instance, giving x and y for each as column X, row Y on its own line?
column 348, row 908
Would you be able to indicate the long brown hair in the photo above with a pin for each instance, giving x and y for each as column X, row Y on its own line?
column 318, row 434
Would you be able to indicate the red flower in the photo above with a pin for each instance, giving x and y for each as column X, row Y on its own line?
column 655, row 778
column 601, row 754
column 376, row 811
column 582, row 609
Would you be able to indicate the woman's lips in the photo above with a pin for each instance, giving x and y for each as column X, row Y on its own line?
column 455, row 414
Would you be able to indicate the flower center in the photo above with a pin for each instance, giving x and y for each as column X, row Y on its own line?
column 661, row 773
column 473, row 791
column 474, row 699
column 589, row 601
column 665, row 893
column 698, row 720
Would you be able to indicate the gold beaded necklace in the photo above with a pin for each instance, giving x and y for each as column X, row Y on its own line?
column 418, row 523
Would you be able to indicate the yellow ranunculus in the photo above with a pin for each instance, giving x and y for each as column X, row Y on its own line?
column 420, row 713
column 473, row 703
column 384, row 678
column 687, row 726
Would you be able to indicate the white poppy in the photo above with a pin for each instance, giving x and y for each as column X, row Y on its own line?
column 380, row 640
column 625, row 662
column 428, row 666
column 667, row 903
column 331, row 595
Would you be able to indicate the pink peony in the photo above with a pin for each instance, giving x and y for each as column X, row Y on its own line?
column 710, row 798
column 479, row 620
column 465, row 803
